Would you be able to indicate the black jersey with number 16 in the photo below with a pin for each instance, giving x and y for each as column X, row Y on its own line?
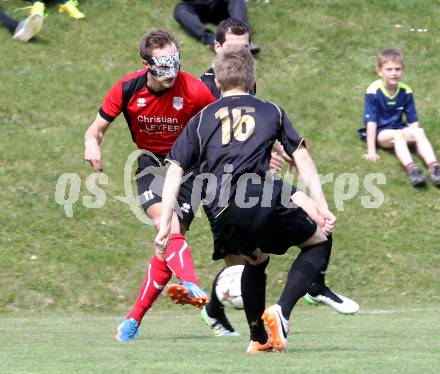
column 229, row 138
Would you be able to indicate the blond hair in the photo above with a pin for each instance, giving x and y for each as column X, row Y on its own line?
column 390, row 54
column 234, row 67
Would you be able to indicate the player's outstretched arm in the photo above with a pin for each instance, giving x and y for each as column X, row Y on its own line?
column 169, row 197
column 92, row 139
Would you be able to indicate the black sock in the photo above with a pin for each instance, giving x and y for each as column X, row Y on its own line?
column 10, row 23
column 253, row 291
column 215, row 308
column 301, row 275
column 319, row 283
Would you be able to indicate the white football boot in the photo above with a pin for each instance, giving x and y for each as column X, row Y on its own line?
column 340, row 303
column 28, row 28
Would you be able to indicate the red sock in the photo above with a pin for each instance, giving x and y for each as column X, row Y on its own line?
column 432, row 164
column 156, row 277
column 409, row 166
column 179, row 259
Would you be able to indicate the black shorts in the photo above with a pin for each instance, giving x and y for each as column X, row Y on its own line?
column 150, row 177
column 272, row 229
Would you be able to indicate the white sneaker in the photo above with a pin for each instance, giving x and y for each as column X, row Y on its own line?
column 219, row 327
column 340, row 303
column 28, row 28
column 277, row 326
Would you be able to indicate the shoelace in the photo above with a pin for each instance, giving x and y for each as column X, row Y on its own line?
column 415, row 170
column 132, row 327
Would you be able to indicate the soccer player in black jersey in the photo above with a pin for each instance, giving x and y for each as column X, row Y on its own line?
column 229, row 31
column 233, row 31
column 250, row 210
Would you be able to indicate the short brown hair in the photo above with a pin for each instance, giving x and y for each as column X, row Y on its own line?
column 390, row 54
column 231, row 26
column 156, row 38
column 234, row 67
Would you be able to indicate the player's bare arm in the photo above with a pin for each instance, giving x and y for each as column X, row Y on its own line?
column 323, row 217
column 307, row 171
column 92, row 140
column 371, row 154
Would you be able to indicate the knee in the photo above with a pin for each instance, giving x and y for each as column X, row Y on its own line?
column 398, row 137
column 317, row 238
column 419, row 133
column 316, row 255
column 179, row 11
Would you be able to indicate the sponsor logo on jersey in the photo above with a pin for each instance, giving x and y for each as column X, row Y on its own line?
column 177, row 102
column 185, row 207
column 141, row 102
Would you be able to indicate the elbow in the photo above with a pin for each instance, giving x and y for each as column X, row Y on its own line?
column 175, row 170
column 302, row 157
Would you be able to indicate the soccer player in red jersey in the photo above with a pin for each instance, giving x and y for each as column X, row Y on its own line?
column 157, row 103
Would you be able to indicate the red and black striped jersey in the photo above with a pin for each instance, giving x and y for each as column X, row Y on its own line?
column 155, row 119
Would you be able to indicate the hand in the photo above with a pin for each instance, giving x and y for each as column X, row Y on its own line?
column 329, row 221
column 279, row 157
column 371, row 156
column 276, row 162
column 92, row 154
column 161, row 241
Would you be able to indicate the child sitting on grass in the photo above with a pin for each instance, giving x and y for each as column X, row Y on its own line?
column 386, row 100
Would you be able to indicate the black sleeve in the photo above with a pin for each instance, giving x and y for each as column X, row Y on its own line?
column 106, row 116
column 209, row 79
column 186, row 149
column 288, row 136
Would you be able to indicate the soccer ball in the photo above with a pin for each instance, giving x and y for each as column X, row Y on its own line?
column 228, row 287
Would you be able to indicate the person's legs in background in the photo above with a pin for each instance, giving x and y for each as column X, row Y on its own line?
column 191, row 18
column 22, row 30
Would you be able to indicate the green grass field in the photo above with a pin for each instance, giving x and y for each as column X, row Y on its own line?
column 375, row 341
column 71, row 277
